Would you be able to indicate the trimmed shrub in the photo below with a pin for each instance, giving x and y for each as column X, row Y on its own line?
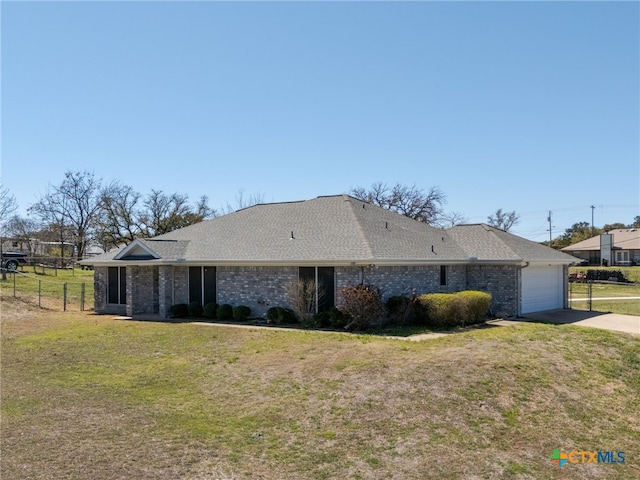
column 195, row 309
column 314, row 321
column 400, row 309
column 210, row 310
column 478, row 304
column 319, row 320
column 179, row 310
column 606, row 275
column 363, row 304
column 224, row 312
column 337, row 319
column 454, row 309
column 443, row 309
column 333, row 318
column 241, row 313
column 281, row 316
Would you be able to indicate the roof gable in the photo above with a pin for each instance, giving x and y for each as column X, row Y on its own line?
column 136, row 250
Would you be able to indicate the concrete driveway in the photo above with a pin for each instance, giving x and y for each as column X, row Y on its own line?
column 607, row 321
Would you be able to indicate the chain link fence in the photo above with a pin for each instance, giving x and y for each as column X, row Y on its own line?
column 604, row 296
column 47, row 291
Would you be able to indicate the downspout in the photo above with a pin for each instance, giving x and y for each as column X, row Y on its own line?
column 520, row 268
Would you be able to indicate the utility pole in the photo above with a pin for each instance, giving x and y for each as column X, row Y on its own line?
column 593, row 207
column 549, row 220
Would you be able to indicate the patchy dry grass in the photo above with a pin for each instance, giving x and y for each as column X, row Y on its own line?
column 88, row 396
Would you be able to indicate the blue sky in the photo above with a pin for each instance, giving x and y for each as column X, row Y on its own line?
column 525, row 106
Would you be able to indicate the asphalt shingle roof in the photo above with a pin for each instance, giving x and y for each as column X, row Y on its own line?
column 492, row 244
column 332, row 229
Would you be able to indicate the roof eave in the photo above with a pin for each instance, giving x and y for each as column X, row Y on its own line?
column 302, row 263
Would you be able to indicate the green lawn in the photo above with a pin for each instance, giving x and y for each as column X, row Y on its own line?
column 606, row 297
column 88, row 396
column 47, row 287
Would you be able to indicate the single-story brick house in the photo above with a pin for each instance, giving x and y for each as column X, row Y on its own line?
column 246, row 258
column 617, row 247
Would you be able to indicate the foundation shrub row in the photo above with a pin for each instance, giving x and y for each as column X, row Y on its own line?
column 362, row 307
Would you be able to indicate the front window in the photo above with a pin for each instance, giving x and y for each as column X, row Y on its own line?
column 443, row 275
column 202, row 285
column 323, row 284
column 117, row 285
column 622, row 257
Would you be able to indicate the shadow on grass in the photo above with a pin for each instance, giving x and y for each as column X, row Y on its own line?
column 400, row 331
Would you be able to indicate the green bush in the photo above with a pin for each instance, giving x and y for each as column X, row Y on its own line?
column 454, row 309
column 606, row 275
column 400, row 309
column 442, row 309
column 194, row 309
column 224, row 312
column 210, row 310
column 179, row 310
column 315, row 321
column 241, row 313
column 333, row 318
column 337, row 319
column 281, row 316
column 478, row 304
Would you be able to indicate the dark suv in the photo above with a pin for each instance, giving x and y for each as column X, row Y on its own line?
column 11, row 260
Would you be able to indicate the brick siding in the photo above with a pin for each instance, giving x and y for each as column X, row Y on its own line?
column 155, row 289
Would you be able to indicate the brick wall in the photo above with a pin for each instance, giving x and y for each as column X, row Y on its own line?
column 155, row 289
column 256, row 287
column 402, row 280
column 499, row 280
column 142, row 290
column 100, row 289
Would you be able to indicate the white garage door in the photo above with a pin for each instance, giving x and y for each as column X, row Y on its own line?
column 542, row 288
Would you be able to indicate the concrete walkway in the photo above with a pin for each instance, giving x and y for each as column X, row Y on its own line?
column 607, row 321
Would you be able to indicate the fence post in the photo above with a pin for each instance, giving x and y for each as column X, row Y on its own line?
column 590, row 295
column 64, row 289
column 82, row 297
column 39, row 293
column 14, row 284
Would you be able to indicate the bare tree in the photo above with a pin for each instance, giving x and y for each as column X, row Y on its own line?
column 76, row 203
column 241, row 202
column 25, row 231
column 303, row 297
column 412, row 202
column 503, row 220
column 118, row 222
column 163, row 213
column 8, row 204
column 203, row 210
column 452, row 219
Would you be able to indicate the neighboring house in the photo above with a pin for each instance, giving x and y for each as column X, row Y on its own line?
column 616, row 247
column 246, row 258
column 37, row 248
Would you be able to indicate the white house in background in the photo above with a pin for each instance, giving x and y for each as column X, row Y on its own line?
column 616, row 247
